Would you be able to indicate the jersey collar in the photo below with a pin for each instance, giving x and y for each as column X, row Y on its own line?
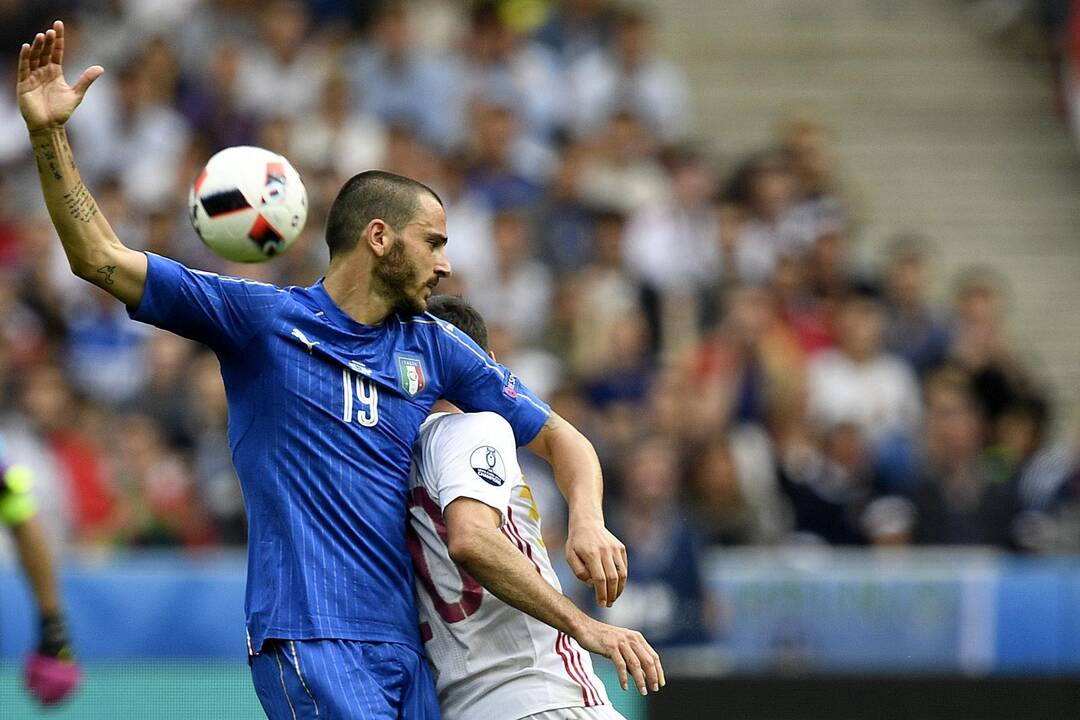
column 336, row 315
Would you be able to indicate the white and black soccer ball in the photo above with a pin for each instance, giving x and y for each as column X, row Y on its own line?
column 248, row 204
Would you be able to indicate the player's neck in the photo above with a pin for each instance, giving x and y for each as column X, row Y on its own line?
column 352, row 292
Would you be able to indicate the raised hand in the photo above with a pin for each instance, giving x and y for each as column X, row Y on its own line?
column 629, row 650
column 45, row 98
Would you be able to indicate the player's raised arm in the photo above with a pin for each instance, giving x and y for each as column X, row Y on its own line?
column 46, row 102
column 595, row 555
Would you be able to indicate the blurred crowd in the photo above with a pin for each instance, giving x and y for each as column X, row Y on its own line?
column 744, row 379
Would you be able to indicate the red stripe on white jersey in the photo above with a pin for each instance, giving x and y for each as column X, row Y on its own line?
column 522, row 543
column 514, row 527
column 570, row 672
column 575, row 658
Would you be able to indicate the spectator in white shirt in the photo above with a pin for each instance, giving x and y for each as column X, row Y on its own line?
column 630, row 77
column 859, row 382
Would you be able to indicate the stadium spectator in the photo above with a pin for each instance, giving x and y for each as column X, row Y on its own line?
column 499, row 62
column 913, row 331
column 394, row 81
column 860, row 382
column 629, row 76
column 518, row 294
column 277, row 71
column 664, row 595
column 957, row 498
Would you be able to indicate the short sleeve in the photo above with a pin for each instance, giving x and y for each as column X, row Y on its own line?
column 220, row 311
column 474, row 456
column 476, row 383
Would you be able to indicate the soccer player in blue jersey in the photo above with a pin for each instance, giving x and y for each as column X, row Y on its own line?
column 327, row 387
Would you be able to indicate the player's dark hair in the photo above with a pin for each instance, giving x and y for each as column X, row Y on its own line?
column 370, row 195
column 457, row 311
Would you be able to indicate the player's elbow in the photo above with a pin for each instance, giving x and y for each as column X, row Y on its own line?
column 464, row 547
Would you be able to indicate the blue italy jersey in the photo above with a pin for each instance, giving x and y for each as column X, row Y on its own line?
column 323, row 412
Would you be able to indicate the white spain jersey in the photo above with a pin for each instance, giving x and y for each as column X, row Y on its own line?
column 490, row 660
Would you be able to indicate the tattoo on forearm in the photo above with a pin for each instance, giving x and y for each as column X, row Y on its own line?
column 46, row 158
column 107, row 271
column 65, row 151
column 80, row 204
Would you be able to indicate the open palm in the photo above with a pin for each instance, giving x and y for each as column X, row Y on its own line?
column 45, row 98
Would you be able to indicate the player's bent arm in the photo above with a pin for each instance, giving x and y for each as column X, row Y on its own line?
column 475, row 543
column 92, row 248
column 594, row 554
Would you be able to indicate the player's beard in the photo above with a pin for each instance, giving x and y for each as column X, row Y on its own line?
column 395, row 277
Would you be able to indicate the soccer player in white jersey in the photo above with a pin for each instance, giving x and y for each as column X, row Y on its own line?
column 504, row 641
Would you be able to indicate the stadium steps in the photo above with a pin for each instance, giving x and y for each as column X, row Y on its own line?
column 937, row 129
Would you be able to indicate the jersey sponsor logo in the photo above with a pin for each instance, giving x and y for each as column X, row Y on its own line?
column 309, row 344
column 487, row 463
column 410, row 374
column 510, row 388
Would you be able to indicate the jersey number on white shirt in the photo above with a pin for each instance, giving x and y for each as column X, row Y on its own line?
column 472, row 593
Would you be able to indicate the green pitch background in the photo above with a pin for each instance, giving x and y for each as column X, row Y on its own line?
column 186, row 690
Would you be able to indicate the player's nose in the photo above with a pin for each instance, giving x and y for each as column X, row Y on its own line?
column 442, row 267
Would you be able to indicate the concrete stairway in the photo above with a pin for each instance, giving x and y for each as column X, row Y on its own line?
column 939, row 130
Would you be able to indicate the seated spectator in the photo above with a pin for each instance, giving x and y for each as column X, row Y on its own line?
column 664, row 596
column 105, row 352
column 158, row 500
column 500, row 62
column 860, row 382
column 604, row 297
column 217, row 486
column 333, row 137
column 819, row 202
column 391, row 79
column 576, row 28
column 518, row 294
column 506, row 168
column 761, row 191
column 957, row 499
column 629, row 77
column 913, row 330
column 468, row 222
column 744, row 364
column 564, row 220
column 979, row 345
column 127, row 135
column 277, row 72
column 829, row 486
column 70, row 468
column 621, row 170
column 736, row 494
column 670, row 242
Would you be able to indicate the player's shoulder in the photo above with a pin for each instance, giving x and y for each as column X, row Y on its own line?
column 463, row 428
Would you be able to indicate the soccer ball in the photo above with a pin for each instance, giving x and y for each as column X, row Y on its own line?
column 248, row 204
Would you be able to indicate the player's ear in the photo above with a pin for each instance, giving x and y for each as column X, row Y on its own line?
column 378, row 236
